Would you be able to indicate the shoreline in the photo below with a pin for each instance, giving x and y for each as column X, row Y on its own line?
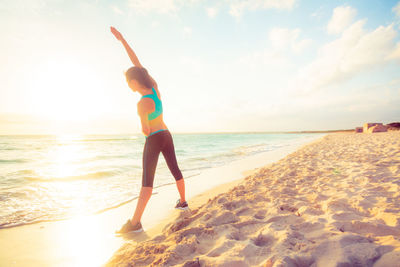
column 233, row 174
column 193, row 166
column 90, row 240
column 334, row 201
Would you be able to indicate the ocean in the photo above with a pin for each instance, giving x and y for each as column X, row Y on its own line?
column 46, row 178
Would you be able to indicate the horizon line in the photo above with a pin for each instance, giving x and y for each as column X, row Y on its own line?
column 222, row 132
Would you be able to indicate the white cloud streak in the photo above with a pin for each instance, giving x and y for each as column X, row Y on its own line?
column 284, row 43
column 396, row 9
column 342, row 17
column 117, row 10
column 158, row 6
column 396, row 52
column 238, row 7
column 354, row 51
column 284, row 39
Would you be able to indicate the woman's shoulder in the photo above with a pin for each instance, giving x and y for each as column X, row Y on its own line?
column 145, row 102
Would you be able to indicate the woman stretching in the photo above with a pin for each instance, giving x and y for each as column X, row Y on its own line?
column 158, row 138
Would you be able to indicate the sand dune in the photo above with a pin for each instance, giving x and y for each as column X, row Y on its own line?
column 334, row 202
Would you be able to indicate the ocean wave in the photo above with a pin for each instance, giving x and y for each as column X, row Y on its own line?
column 9, row 148
column 107, row 139
column 25, row 172
column 86, row 176
column 196, row 153
column 15, row 222
column 250, row 149
column 23, row 217
column 13, row 160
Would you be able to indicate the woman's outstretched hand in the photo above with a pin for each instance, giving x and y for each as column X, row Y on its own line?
column 128, row 49
column 116, row 33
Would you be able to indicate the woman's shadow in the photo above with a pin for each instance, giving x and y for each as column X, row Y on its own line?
column 177, row 217
column 139, row 237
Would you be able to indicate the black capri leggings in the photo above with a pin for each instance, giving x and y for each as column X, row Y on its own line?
column 159, row 142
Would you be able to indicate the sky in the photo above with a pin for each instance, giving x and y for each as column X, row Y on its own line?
column 221, row 66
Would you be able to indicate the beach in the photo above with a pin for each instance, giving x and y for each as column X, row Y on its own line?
column 333, row 202
column 276, row 121
column 88, row 239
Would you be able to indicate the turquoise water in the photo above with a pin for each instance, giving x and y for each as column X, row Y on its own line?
column 44, row 178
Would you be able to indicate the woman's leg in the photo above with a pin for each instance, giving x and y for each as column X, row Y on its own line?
column 180, row 184
column 168, row 151
column 144, row 196
column 151, row 153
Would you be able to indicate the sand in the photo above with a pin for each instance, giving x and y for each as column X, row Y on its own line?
column 334, row 202
column 89, row 240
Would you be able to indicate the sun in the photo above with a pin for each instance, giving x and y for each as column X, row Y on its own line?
column 62, row 90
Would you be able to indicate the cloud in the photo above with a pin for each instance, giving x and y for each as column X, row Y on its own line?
column 212, row 12
column 396, row 52
column 396, row 9
column 283, row 39
column 354, row 51
column 158, row 6
column 117, row 10
column 271, row 67
column 276, row 60
column 341, row 19
column 317, row 13
column 33, row 7
column 238, row 7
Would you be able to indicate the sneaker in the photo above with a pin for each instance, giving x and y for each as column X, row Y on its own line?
column 181, row 206
column 128, row 228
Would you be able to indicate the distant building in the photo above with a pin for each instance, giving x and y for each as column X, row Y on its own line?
column 378, row 128
column 394, row 126
column 374, row 128
column 369, row 125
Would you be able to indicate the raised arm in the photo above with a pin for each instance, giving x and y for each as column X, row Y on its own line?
column 130, row 52
column 128, row 49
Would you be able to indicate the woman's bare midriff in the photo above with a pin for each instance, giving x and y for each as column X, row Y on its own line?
column 157, row 124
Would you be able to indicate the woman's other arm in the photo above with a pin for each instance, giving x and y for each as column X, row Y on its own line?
column 143, row 107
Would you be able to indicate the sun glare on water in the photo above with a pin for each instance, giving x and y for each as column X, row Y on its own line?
column 63, row 156
column 85, row 239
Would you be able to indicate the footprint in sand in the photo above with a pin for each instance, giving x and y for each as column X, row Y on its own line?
column 346, row 216
column 235, row 204
column 367, row 228
column 262, row 240
column 236, row 235
column 287, row 207
column 244, row 211
column 260, row 214
column 187, row 246
column 390, row 259
column 224, row 218
column 226, row 246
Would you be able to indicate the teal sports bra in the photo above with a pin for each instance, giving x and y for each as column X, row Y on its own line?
column 158, row 105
